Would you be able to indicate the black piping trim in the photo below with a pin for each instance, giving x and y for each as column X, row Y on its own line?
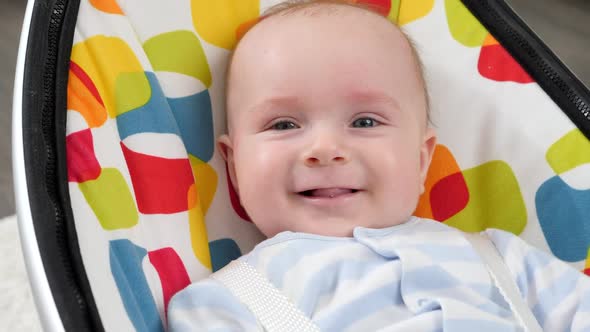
column 566, row 90
column 44, row 98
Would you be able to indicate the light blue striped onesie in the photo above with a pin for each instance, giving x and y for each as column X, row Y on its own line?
column 418, row 276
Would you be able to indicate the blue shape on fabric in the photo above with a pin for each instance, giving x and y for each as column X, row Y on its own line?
column 153, row 117
column 222, row 252
column 562, row 212
column 125, row 260
column 194, row 116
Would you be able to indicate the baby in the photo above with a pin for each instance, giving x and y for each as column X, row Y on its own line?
column 328, row 147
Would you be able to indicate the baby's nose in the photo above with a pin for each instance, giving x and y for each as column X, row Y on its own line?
column 324, row 161
column 325, row 153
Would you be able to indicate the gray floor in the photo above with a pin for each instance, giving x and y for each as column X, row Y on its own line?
column 562, row 24
column 11, row 16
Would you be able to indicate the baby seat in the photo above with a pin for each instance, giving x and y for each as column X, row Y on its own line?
column 122, row 199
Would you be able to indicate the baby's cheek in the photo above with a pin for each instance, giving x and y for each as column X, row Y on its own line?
column 404, row 181
column 267, row 227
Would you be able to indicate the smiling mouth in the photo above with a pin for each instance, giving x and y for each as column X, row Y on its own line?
column 327, row 192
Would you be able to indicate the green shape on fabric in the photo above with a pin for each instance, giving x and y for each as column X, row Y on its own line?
column 179, row 52
column 464, row 27
column 495, row 200
column 394, row 11
column 132, row 90
column 569, row 152
column 111, row 200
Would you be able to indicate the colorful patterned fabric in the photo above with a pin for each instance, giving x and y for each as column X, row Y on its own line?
column 418, row 276
column 150, row 194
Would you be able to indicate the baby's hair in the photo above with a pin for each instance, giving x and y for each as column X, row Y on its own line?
column 293, row 6
column 313, row 7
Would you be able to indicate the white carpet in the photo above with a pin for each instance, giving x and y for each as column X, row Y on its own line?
column 17, row 310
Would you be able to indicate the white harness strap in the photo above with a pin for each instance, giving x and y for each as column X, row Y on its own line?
column 274, row 311
column 503, row 280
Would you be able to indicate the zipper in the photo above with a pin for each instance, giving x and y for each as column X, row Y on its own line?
column 49, row 130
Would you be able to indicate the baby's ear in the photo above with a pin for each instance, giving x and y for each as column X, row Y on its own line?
column 225, row 146
column 426, row 152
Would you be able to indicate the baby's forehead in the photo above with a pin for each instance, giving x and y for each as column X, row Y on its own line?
column 349, row 22
column 286, row 33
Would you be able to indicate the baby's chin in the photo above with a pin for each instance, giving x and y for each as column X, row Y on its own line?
column 330, row 228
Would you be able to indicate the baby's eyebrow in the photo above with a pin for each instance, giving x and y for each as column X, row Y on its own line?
column 370, row 96
column 274, row 102
column 353, row 97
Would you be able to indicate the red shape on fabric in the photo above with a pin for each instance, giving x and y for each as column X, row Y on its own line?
column 81, row 161
column 81, row 74
column 495, row 63
column 449, row 196
column 172, row 273
column 161, row 185
column 381, row 6
column 587, row 271
column 235, row 199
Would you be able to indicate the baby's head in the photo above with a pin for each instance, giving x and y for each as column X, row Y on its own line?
column 327, row 121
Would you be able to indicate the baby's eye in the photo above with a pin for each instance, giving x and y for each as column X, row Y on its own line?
column 284, row 125
column 365, row 123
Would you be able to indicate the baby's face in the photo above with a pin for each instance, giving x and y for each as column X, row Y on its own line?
column 327, row 124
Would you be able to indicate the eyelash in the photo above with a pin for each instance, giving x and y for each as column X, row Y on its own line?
column 374, row 121
column 275, row 125
column 280, row 124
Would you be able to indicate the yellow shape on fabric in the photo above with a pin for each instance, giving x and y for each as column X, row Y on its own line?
column 411, row 10
column 198, row 229
column 111, row 200
column 115, row 71
column 495, row 200
column 107, row 6
column 587, row 266
column 464, row 27
column 217, row 21
column 179, row 52
column 206, row 181
column 81, row 100
column 569, row 152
